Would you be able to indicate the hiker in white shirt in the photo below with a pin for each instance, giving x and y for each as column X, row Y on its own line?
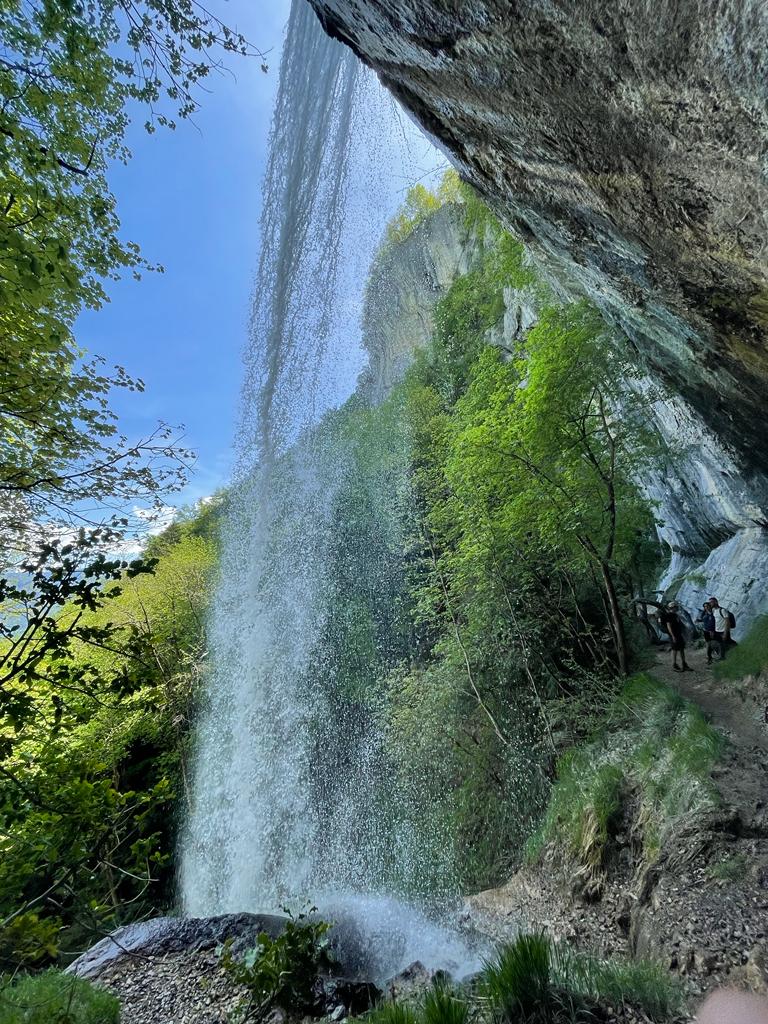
column 724, row 620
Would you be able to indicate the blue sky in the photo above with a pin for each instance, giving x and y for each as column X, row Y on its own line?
column 190, row 198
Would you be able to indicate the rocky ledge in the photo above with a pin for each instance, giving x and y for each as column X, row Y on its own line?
column 167, row 970
column 700, row 907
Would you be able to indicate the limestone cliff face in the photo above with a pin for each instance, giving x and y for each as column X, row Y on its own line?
column 625, row 142
column 406, row 282
column 711, row 519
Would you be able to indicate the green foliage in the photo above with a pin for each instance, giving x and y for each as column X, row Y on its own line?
column 531, row 529
column 749, row 657
column 476, row 796
column 653, row 744
column 67, row 75
column 473, row 305
column 441, row 1004
column 79, row 693
column 282, row 972
column 523, row 536
column 37, row 639
column 394, row 1013
column 537, row 980
column 86, row 799
column 582, row 807
column 518, row 982
column 641, row 984
column 56, row 998
column 419, row 204
column 26, row 939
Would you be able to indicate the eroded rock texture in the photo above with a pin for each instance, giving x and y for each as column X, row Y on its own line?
column 625, row 143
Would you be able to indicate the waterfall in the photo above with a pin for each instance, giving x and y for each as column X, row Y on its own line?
column 286, row 793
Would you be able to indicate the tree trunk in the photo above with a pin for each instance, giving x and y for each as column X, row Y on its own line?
column 617, row 623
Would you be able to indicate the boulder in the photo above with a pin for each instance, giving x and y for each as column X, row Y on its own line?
column 161, row 936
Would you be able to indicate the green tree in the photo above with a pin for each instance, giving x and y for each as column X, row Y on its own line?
column 71, row 73
column 96, row 758
column 69, row 70
column 554, row 443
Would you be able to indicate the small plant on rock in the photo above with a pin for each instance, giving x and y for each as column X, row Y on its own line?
column 281, row 973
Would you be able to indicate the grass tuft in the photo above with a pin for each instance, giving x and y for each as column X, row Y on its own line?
column 731, row 869
column 637, row 983
column 53, row 997
column 442, row 1006
column 393, row 1013
column 536, row 981
column 517, row 982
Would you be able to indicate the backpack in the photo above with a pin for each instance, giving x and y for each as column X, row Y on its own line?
column 731, row 620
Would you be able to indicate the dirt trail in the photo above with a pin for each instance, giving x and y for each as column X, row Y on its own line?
column 742, row 775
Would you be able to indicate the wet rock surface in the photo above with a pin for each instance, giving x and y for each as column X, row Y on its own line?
column 625, row 144
column 166, row 936
column 167, row 970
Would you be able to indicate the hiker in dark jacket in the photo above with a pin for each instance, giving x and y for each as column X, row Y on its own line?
column 709, row 627
column 672, row 623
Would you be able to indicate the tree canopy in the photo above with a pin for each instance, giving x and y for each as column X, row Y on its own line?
column 71, row 74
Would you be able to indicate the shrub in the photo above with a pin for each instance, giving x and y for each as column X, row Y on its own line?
column 281, row 972
column 653, row 743
column 56, row 998
column 749, row 657
column 27, row 940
